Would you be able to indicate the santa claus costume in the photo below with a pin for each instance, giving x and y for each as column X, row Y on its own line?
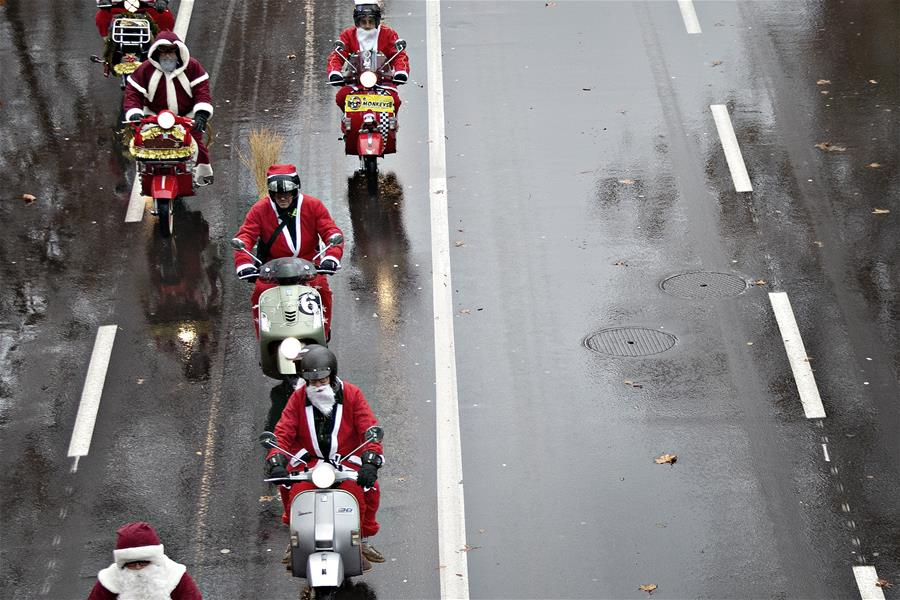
column 352, row 416
column 184, row 91
column 162, row 579
column 381, row 39
column 306, row 221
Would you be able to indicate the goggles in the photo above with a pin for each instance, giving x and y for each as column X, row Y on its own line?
column 283, row 185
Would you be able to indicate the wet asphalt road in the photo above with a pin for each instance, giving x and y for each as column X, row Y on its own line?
column 584, row 169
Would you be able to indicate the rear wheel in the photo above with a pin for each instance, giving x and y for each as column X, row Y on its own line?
column 370, row 166
column 166, row 216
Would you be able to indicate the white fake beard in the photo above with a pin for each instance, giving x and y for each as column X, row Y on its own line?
column 367, row 39
column 144, row 584
column 322, row 398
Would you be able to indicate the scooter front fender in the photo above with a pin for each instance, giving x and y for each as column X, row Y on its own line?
column 325, row 569
column 370, row 143
column 164, row 187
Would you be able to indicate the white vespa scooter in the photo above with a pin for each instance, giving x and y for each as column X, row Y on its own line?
column 326, row 545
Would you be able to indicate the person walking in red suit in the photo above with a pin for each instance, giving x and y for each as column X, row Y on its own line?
column 326, row 417
column 288, row 223
column 142, row 570
column 171, row 80
column 368, row 34
column 158, row 10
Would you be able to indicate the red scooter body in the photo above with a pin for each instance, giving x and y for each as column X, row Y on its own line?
column 369, row 124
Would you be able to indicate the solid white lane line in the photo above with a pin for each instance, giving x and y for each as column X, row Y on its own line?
column 183, row 20
column 689, row 15
column 732, row 149
column 866, row 577
column 796, row 352
column 93, row 388
column 825, row 452
column 454, row 569
column 137, row 202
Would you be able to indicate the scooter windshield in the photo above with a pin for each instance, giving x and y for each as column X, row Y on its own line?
column 287, row 271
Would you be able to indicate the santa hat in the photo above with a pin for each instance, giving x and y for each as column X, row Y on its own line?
column 137, row 541
column 288, row 170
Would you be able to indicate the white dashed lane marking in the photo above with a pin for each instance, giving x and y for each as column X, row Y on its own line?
column 796, row 352
column 93, row 389
column 689, row 15
column 731, row 148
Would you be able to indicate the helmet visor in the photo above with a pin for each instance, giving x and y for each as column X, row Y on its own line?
column 316, row 373
column 283, row 185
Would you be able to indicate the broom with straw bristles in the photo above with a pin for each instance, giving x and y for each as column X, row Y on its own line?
column 265, row 148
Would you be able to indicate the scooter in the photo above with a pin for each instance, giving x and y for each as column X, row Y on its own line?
column 130, row 37
column 290, row 314
column 326, row 547
column 165, row 151
column 369, row 123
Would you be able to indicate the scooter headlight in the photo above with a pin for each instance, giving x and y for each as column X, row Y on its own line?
column 323, row 475
column 368, row 79
column 290, row 348
column 166, row 119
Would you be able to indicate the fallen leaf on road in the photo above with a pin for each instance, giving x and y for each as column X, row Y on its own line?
column 401, row 479
column 482, row 530
column 28, row 198
column 666, row 459
column 626, row 181
column 716, row 63
column 874, row 165
column 225, row 551
column 266, row 498
column 459, row 243
column 291, row 56
column 881, row 211
column 818, row 243
column 550, row 4
column 760, row 282
column 823, row 82
column 884, row 583
column 829, row 147
column 620, row 263
column 140, row 380
column 468, row 547
column 647, row 587
column 872, row 81
column 465, row 311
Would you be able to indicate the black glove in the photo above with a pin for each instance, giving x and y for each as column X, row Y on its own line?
column 401, row 77
column 367, row 475
column 248, row 273
column 328, row 266
column 135, row 117
column 200, row 119
column 335, row 79
column 276, row 466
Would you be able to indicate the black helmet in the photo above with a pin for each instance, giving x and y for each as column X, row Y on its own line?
column 318, row 362
column 367, row 10
column 283, row 178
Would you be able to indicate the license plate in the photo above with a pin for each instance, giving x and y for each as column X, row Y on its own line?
column 368, row 103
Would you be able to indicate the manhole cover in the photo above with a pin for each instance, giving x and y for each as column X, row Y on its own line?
column 629, row 341
column 704, row 284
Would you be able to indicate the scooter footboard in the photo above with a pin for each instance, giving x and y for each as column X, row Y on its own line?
column 325, row 522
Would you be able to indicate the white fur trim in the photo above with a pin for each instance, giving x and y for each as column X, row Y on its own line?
column 153, row 84
column 202, row 106
column 334, row 73
column 399, row 72
column 138, row 553
column 240, row 268
column 134, row 84
column 200, row 79
column 132, row 112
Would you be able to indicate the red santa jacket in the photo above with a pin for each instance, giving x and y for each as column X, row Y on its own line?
column 386, row 39
column 183, row 91
column 186, row 589
column 165, row 20
column 352, row 416
column 312, row 222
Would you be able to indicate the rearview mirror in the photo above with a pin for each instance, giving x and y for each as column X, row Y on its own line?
column 268, row 440
column 374, row 434
column 335, row 239
column 237, row 244
column 400, row 45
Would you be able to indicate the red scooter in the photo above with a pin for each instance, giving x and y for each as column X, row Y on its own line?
column 165, row 151
column 369, row 123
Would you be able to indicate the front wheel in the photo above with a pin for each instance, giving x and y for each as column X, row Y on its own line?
column 325, row 593
column 165, row 216
column 370, row 166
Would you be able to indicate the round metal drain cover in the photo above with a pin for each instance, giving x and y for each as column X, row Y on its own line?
column 704, row 284
column 629, row 341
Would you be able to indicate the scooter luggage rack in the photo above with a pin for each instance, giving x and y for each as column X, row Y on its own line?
column 131, row 32
column 164, row 167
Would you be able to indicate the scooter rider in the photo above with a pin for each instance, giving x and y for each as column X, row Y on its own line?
column 288, row 223
column 157, row 10
column 171, row 79
column 325, row 417
column 368, row 34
